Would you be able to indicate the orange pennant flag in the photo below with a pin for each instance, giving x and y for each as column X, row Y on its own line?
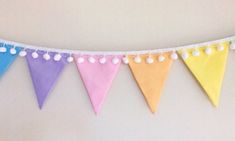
column 150, row 72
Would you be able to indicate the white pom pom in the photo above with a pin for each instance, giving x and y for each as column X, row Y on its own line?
column 91, row 60
column 102, row 60
column 3, row 49
column 80, row 60
column 23, row 53
column 161, row 58
column 232, row 46
column 125, row 60
column 115, row 60
column 196, row 53
column 149, row 60
column 208, row 50
column 220, row 48
column 13, row 51
column 185, row 55
column 174, row 56
column 137, row 59
column 57, row 57
column 46, row 56
column 70, row 59
column 35, row 55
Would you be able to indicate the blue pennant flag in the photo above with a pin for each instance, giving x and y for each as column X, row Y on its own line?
column 8, row 54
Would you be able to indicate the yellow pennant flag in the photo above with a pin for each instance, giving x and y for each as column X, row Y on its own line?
column 150, row 72
column 207, row 64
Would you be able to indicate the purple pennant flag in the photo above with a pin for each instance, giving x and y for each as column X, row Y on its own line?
column 44, row 73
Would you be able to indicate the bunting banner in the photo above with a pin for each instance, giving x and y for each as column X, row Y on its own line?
column 150, row 68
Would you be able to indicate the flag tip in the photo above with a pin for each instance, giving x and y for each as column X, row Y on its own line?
column 97, row 111
column 40, row 106
column 215, row 103
column 153, row 109
column 214, row 100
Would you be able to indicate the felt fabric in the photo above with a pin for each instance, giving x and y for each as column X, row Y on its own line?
column 97, row 78
column 209, row 69
column 44, row 74
column 151, row 77
column 6, row 59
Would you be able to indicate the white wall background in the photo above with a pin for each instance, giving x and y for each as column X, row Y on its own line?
column 184, row 111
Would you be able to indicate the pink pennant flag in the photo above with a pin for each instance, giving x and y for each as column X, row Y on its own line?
column 97, row 73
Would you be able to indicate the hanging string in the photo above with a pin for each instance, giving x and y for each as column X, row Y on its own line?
column 161, row 50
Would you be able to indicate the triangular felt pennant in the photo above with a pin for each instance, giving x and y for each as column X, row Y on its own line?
column 207, row 64
column 150, row 76
column 44, row 73
column 97, row 73
column 6, row 58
